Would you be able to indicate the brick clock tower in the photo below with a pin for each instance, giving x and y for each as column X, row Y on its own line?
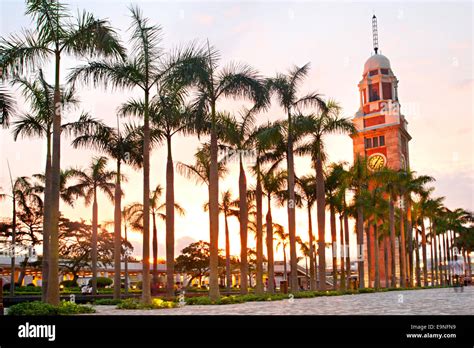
column 382, row 136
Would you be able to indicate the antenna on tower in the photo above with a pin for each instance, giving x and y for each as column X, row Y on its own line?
column 375, row 34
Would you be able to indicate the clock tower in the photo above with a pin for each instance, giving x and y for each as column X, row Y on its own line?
column 381, row 129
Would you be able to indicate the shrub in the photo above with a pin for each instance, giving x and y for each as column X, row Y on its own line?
column 31, row 285
column 41, row 308
column 157, row 303
column 102, row 282
column 366, row 290
column 199, row 300
column 107, row 302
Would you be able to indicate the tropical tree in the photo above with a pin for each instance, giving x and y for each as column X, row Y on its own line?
column 169, row 116
column 306, row 187
column 283, row 239
column 89, row 182
column 273, row 184
column 227, row 208
column 286, row 87
column 56, row 33
column 124, row 146
column 211, row 85
column 359, row 178
column 38, row 122
column 327, row 121
column 23, row 196
column 136, row 212
column 143, row 69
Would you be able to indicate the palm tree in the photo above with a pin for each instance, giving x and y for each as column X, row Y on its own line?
column 359, row 178
column 56, row 35
column 22, row 193
column 169, row 116
column 96, row 178
column 142, row 70
column 304, row 248
column 306, row 186
column 235, row 80
column 432, row 208
column 39, row 122
column 239, row 137
column 226, row 207
column 7, row 106
column 123, row 146
column 282, row 241
column 136, row 211
column 318, row 126
column 129, row 222
column 411, row 184
column 273, row 185
column 286, row 86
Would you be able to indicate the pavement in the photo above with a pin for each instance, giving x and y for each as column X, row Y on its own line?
column 441, row 301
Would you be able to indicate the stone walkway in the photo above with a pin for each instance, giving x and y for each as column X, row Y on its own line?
column 416, row 302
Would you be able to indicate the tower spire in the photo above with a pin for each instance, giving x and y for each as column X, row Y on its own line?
column 375, row 34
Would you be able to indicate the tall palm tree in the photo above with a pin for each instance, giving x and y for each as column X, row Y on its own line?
column 38, row 122
column 226, row 207
column 306, row 187
column 22, row 194
column 125, row 147
column 327, row 121
column 143, row 69
column 238, row 134
column 286, row 87
column 283, row 239
column 211, row 85
column 96, row 178
column 136, row 211
column 273, row 185
column 411, row 185
column 56, row 34
column 169, row 116
column 432, row 209
column 359, row 178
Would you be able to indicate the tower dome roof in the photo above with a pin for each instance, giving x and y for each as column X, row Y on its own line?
column 377, row 61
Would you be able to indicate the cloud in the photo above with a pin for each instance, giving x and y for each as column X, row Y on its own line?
column 204, row 19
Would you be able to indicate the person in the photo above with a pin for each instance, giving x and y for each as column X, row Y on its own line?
column 457, row 267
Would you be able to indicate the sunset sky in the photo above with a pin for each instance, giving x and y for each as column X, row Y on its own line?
column 430, row 47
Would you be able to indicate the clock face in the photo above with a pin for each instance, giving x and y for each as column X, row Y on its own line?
column 376, row 161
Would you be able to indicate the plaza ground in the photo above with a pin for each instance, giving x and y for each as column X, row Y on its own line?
column 441, row 301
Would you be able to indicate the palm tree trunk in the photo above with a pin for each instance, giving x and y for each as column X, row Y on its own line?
column 292, row 210
column 117, row 234
column 126, row 264
column 343, row 248
column 46, row 220
column 376, row 257
column 94, row 243
column 423, row 246
column 440, row 255
column 271, row 266
column 21, row 277
column 243, row 229
column 435, row 251
column 285, row 269
column 321, row 214
column 227, row 254
column 312, row 275
column 403, row 265
column 169, row 223
column 332, row 219
column 417, row 258
column 13, row 266
column 386, row 243
column 146, row 291
column 447, row 258
column 360, row 242
column 410, row 241
column 347, row 249
column 370, row 258
column 155, row 254
column 259, row 246
column 53, row 275
column 213, row 213
column 391, row 221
